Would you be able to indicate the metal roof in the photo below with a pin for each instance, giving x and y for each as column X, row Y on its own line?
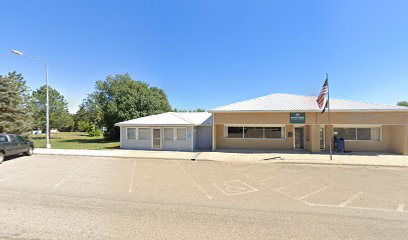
column 281, row 102
column 171, row 119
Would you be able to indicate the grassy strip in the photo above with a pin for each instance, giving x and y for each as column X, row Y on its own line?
column 74, row 140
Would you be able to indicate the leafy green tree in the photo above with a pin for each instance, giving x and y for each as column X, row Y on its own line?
column 121, row 98
column 15, row 104
column 60, row 118
column 403, row 103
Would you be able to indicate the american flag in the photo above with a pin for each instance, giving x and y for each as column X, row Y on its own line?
column 322, row 99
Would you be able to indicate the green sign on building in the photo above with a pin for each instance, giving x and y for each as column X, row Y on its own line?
column 297, row 118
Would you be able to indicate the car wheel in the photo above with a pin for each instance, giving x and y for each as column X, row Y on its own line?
column 29, row 151
column 1, row 157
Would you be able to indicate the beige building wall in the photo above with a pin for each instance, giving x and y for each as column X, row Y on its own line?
column 399, row 140
column 223, row 142
column 394, row 136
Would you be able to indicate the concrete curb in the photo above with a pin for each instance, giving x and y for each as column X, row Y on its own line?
column 283, row 162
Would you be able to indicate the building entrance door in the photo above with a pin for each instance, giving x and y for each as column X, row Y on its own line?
column 299, row 138
column 156, row 138
column 322, row 139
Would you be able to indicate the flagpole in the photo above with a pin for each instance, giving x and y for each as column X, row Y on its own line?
column 328, row 117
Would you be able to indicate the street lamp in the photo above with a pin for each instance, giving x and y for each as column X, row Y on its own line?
column 46, row 84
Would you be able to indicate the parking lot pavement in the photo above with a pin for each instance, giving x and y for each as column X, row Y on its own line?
column 65, row 197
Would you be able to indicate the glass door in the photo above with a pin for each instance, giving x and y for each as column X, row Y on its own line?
column 156, row 138
column 299, row 138
column 322, row 139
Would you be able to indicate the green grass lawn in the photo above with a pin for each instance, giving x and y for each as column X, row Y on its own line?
column 74, row 140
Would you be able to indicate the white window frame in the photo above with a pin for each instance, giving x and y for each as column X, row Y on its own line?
column 360, row 126
column 283, row 133
column 150, row 134
column 164, row 135
column 177, row 134
column 135, row 133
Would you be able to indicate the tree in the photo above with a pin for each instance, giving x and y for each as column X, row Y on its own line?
column 60, row 118
column 15, row 104
column 121, row 98
column 403, row 103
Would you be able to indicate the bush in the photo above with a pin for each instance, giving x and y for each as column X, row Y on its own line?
column 95, row 133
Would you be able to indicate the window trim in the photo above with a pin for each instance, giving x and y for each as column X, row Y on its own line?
column 136, row 131
column 360, row 126
column 177, row 134
column 283, row 133
column 164, row 135
column 150, row 134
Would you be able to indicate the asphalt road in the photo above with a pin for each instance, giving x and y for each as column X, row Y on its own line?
column 68, row 197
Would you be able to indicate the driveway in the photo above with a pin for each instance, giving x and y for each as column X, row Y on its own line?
column 65, row 197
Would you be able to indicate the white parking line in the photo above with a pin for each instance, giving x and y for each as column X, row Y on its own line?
column 294, row 183
column 351, row 199
column 401, row 207
column 72, row 174
column 351, row 207
column 317, row 191
column 132, row 177
column 194, row 181
column 269, row 178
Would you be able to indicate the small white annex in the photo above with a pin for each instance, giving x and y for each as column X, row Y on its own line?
column 168, row 131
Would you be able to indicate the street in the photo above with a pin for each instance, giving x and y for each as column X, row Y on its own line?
column 71, row 197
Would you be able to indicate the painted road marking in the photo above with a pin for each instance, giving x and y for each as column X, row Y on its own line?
column 132, row 177
column 269, row 178
column 294, row 183
column 308, row 203
column 351, row 199
column 235, row 187
column 401, row 207
column 72, row 174
column 194, row 181
column 317, row 191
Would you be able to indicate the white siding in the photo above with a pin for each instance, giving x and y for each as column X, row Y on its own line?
column 174, row 145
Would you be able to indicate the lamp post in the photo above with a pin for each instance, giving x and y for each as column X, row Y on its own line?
column 47, row 101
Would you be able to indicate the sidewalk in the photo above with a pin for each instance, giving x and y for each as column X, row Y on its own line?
column 283, row 157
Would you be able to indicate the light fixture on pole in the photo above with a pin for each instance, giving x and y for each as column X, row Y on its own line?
column 47, row 101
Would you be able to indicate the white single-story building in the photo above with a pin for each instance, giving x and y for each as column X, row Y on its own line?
column 168, row 131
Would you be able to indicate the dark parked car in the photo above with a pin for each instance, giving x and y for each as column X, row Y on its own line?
column 13, row 144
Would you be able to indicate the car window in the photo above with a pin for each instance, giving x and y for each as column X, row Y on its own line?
column 20, row 139
column 12, row 138
column 3, row 139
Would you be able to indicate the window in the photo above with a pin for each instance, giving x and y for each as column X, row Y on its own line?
column 364, row 134
column 376, row 134
column 275, row 132
column 131, row 133
column 181, row 134
column 169, row 134
column 3, row 139
column 144, row 133
column 255, row 132
column 235, row 132
column 346, row 133
column 20, row 138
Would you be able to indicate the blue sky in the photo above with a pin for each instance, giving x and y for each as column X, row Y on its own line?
column 208, row 53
